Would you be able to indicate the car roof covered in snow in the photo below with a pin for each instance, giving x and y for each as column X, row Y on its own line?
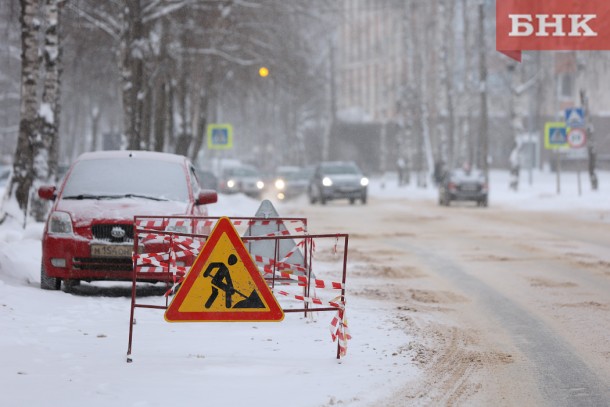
column 149, row 155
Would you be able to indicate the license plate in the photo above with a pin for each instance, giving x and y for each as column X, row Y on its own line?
column 107, row 250
column 470, row 187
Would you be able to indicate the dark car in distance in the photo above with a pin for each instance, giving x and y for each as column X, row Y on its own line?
column 463, row 185
column 337, row 180
column 244, row 179
column 291, row 181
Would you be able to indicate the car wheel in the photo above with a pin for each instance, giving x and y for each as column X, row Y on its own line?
column 322, row 200
column 352, row 201
column 48, row 283
column 483, row 203
column 312, row 198
column 363, row 199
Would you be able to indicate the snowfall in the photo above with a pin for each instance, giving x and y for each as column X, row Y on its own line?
column 69, row 349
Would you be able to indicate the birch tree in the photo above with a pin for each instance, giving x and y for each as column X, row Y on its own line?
column 19, row 188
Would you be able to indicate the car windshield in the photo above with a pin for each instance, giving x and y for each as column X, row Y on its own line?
column 295, row 174
column 127, row 177
column 340, row 169
column 461, row 175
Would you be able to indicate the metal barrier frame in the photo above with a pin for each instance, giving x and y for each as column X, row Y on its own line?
column 308, row 250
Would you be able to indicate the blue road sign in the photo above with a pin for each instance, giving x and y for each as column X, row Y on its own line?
column 220, row 136
column 555, row 135
column 575, row 117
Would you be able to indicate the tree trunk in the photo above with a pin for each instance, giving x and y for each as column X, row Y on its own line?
column 448, row 9
column 132, row 71
column 202, row 122
column 160, row 122
column 171, row 130
column 48, row 113
column 23, row 165
column 185, row 135
column 52, row 92
column 147, row 107
column 584, row 100
column 95, row 122
column 483, row 124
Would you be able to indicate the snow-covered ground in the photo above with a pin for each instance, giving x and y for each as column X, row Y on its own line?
column 69, row 349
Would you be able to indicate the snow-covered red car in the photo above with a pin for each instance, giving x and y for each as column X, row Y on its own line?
column 89, row 231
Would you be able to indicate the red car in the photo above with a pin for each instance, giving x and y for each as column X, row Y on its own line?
column 89, row 231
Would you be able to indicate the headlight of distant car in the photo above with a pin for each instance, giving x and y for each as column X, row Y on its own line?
column 280, row 184
column 364, row 181
column 231, row 183
column 260, row 184
column 327, row 182
column 61, row 223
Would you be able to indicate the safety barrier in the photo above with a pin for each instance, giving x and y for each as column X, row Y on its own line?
column 165, row 247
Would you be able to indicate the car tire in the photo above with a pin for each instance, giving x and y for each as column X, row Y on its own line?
column 363, row 199
column 48, row 283
column 323, row 200
column 312, row 198
column 352, row 201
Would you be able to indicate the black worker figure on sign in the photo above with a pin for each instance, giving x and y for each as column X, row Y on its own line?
column 222, row 281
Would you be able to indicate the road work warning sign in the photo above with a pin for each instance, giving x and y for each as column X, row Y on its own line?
column 224, row 284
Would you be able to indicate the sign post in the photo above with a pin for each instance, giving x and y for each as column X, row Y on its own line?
column 577, row 135
column 556, row 138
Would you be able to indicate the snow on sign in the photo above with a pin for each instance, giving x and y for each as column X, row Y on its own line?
column 224, row 284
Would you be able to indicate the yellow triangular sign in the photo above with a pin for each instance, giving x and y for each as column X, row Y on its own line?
column 224, row 284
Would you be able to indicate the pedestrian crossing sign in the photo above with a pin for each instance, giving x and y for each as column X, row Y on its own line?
column 555, row 135
column 220, row 136
column 224, row 284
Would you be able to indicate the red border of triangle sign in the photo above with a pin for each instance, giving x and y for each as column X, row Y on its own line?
column 205, row 296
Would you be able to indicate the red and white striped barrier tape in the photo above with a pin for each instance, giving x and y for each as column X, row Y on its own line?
column 303, row 281
column 282, row 232
column 339, row 331
column 156, row 223
column 335, row 302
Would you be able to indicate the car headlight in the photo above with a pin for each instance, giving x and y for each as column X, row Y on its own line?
column 60, row 223
column 260, row 184
column 231, row 183
column 327, row 182
column 280, row 184
column 364, row 181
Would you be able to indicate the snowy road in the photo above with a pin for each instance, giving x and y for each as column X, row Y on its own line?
column 507, row 305
column 510, row 307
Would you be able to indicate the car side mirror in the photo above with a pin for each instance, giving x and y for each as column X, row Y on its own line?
column 47, row 192
column 206, row 196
